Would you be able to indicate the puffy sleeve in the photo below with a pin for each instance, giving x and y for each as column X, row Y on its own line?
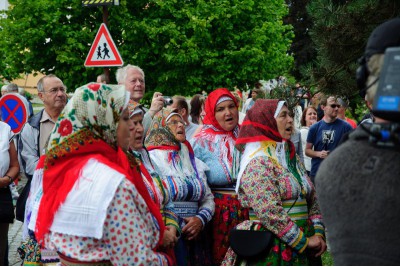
column 130, row 231
column 261, row 186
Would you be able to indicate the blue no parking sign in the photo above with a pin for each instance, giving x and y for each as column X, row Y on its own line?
column 14, row 111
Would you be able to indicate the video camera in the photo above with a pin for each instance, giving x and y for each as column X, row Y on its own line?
column 387, row 102
column 387, row 98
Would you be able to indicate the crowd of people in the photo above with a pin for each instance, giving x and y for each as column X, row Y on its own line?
column 111, row 182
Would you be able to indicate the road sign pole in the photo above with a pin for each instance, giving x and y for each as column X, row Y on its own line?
column 106, row 70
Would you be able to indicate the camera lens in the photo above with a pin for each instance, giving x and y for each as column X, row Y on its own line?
column 168, row 101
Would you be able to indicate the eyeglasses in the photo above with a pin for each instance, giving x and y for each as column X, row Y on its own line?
column 175, row 123
column 335, row 106
column 54, row 91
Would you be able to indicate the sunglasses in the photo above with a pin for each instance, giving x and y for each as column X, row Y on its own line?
column 335, row 106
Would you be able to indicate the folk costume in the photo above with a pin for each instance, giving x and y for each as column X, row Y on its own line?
column 216, row 148
column 186, row 184
column 270, row 181
column 157, row 190
column 93, row 208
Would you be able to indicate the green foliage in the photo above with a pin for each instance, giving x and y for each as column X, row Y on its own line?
column 183, row 46
column 28, row 95
column 288, row 92
column 340, row 32
column 302, row 47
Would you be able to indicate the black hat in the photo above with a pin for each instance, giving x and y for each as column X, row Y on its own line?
column 385, row 35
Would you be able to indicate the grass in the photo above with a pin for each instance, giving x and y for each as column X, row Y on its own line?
column 327, row 259
column 37, row 105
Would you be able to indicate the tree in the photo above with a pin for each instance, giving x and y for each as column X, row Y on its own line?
column 340, row 32
column 183, row 46
column 302, row 47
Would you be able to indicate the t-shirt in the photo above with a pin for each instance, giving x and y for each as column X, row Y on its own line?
column 325, row 136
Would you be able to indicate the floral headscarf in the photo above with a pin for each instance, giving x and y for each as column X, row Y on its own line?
column 212, row 101
column 135, row 108
column 101, row 118
column 86, row 129
column 159, row 135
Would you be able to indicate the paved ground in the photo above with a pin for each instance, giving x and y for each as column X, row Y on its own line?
column 14, row 241
column 15, row 235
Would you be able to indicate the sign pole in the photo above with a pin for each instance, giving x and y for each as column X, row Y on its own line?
column 106, row 70
column 104, row 52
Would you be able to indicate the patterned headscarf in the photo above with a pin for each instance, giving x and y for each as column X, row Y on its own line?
column 100, row 117
column 260, row 125
column 86, row 129
column 159, row 135
column 211, row 103
column 135, row 108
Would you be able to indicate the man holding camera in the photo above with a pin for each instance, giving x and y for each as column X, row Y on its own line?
column 133, row 78
column 358, row 184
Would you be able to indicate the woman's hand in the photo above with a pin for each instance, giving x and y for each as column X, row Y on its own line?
column 4, row 181
column 192, row 228
column 169, row 238
column 316, row 245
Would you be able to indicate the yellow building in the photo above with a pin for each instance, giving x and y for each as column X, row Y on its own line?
column 28, row 82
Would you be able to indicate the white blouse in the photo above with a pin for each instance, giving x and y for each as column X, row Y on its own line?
column 5, row 138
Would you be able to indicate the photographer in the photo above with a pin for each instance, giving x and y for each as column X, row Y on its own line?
column 358, row 184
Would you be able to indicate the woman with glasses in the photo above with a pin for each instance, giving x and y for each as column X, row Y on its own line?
column 184, row 178
column 215, row 145
column 273, row 184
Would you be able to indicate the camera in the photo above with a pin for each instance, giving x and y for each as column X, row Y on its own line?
column 387, row 98
column 168, row 101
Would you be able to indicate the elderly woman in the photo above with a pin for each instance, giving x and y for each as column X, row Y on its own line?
column 215, row 145
column 152, row 180
column 9, row 170
column 185, row 181
column 275, row 186
column 91, row 206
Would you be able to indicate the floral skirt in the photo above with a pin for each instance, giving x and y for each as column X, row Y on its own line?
column 228, row 214
column 33, row 255
column 280, row 254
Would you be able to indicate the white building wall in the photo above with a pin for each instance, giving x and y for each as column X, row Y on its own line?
column 3, row 5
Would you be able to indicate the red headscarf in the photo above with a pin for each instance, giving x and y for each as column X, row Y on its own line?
column 209, row 106
column 260, row 125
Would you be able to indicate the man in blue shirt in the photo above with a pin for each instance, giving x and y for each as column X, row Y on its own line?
column 324, row 136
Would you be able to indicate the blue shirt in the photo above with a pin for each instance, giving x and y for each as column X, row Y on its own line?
column 325, row 136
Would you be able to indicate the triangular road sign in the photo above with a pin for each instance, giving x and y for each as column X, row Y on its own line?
column 103, row 52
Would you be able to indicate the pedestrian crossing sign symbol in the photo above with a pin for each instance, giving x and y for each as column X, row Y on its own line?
column 103, row 52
